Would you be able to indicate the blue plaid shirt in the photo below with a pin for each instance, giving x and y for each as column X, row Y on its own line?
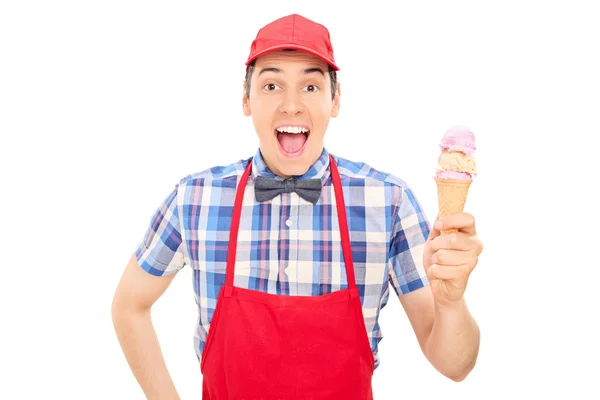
column 288, row 246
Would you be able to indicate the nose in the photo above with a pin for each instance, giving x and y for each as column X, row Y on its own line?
column 291, row 103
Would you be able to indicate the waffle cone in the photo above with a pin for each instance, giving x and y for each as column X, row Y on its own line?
column 452, row 196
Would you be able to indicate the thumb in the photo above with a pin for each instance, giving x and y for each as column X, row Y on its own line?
column 433, row 233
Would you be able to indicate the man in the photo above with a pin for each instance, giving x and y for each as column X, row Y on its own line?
column 293, row 251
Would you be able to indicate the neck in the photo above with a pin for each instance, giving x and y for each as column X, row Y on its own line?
column 276, row 171
column 279, row 173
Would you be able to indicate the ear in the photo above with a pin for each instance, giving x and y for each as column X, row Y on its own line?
column 246, row 105
column 335, row 109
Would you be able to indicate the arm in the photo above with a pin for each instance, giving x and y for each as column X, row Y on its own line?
column 448, row 335
column 446, row 331
column 136, row 293
column 429, row 272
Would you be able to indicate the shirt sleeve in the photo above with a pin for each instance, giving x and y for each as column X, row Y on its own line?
column 161, row 252
column 410, row 231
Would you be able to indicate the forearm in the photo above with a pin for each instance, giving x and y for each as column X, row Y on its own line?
column 140, row 345
column 453, row 344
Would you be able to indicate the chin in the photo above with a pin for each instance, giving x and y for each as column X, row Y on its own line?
column 293, row 168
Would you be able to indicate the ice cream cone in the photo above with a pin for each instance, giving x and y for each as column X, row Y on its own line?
column 452, row 196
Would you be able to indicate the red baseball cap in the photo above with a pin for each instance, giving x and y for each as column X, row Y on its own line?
column 293, row 32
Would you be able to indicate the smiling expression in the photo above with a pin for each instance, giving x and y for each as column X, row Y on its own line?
column 291, row 104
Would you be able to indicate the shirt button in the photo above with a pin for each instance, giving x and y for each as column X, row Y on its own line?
column 289, row 222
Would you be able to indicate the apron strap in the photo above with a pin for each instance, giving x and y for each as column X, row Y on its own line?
column 343, row 223
column 233, row 231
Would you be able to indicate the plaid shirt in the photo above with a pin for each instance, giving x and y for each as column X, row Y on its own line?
column 288, row 246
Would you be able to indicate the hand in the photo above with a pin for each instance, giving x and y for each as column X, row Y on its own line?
column 449, row 259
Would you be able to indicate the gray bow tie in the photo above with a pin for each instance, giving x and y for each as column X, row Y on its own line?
column 267, row 188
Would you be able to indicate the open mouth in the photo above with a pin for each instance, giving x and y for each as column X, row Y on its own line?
column 292, row 139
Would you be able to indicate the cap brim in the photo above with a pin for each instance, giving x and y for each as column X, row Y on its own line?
column 294, row 47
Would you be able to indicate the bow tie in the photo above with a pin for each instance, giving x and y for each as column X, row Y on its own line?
column 267, row 188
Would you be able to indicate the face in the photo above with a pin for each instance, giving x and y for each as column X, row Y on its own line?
column 290, row 103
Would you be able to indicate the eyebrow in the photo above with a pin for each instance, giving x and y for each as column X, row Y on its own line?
column 306, row 71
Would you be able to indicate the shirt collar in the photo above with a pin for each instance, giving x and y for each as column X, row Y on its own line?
column 319, row 170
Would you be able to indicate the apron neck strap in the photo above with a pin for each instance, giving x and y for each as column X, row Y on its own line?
column 343, row 223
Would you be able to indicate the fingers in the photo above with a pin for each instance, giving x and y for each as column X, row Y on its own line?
column 454, row 241
column 464, row 222
column 452, row 257
column 446, row 272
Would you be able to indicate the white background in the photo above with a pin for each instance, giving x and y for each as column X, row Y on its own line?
column 104, row 106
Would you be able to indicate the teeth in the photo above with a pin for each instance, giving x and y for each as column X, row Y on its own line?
column 292, row 129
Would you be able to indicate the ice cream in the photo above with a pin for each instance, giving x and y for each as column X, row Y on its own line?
column 459, row 138
column 455, row 170
column 456, row 160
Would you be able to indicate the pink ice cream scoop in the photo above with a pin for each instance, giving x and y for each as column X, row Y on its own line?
column 459, row 138
column 457, row 175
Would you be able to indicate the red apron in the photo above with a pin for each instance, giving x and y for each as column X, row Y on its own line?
column 265, row 346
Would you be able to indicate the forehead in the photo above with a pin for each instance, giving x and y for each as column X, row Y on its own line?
column 290, row 60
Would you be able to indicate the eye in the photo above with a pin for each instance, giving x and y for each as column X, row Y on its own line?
column 270, row 87
column 311, row 88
